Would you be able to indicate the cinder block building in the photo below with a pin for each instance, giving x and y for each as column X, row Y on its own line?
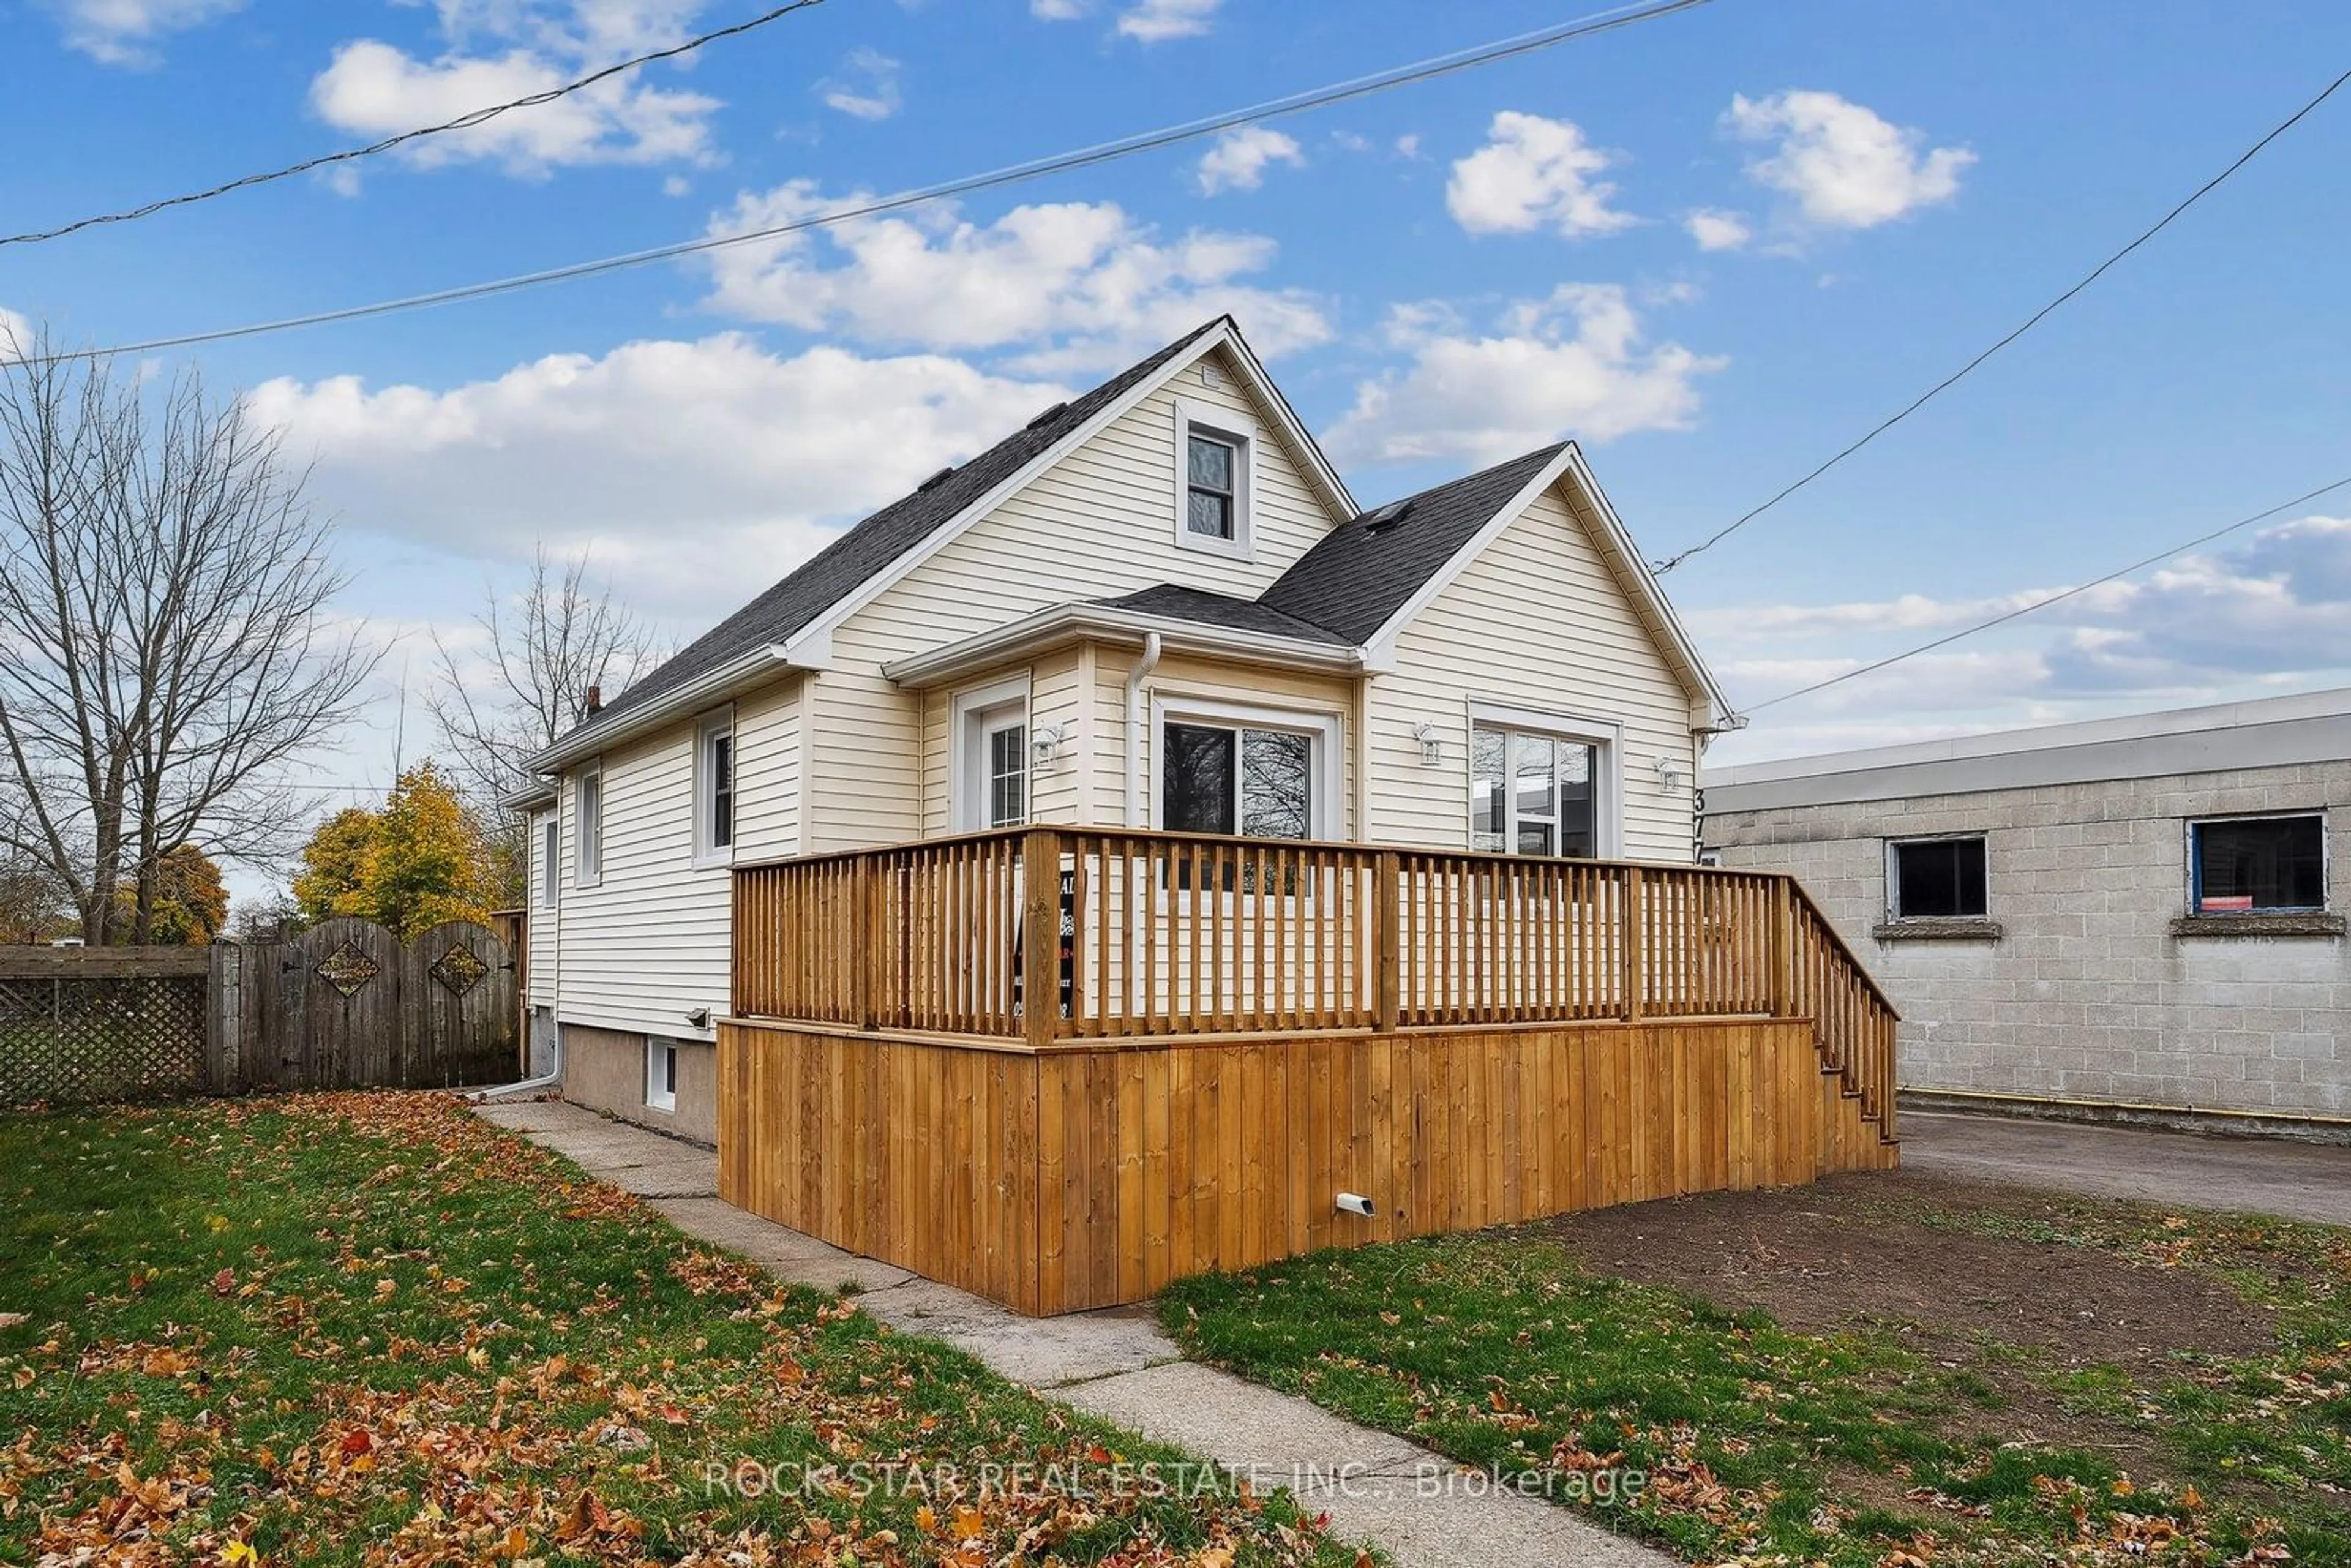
column 2141, row 916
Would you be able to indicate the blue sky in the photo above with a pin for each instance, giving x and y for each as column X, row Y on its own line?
column 1441, row 276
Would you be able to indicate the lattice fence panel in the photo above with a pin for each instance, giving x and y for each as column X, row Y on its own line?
column 101, row 1038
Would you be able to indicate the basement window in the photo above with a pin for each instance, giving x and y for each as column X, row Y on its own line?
column 2264, row 865
column 661, row 1075
column 1936, row 879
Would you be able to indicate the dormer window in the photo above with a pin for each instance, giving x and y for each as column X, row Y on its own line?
column 1213, row 471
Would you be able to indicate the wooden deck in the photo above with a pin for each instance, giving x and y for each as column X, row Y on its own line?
column 1238, row 1031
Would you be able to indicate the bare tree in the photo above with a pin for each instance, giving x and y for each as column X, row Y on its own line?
column 546, row 648
column 165, row 643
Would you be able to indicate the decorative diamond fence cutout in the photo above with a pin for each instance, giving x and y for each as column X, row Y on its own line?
column 459, row 971
column 347, row 968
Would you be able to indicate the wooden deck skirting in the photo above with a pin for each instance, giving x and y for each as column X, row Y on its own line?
column 1091, row 1174
column 1216, row 1037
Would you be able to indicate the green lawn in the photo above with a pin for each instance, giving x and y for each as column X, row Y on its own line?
column 372, row 1327
column 1878, row 1444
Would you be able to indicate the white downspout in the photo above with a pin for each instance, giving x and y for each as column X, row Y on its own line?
column 1134, row 731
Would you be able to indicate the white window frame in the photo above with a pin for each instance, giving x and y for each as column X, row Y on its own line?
column 2195, row 882
column 1607, row 773
column 661, row 1074
column 967, row 724
column 1322, row 727
column 550, row 851
column 1227, row 425
column 1894, row 873
column 588, row 824
column 708, row 851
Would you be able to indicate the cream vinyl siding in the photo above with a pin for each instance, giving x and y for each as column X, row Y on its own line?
column 650, row 942
column 768, row 771
column 1537, row 621
column 543, row 929
column 1099, row 523
column 1181, row 677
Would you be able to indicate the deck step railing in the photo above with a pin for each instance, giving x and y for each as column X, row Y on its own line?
column 1170, row 933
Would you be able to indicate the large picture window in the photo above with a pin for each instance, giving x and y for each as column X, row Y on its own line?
column 2260, row 865
column 1533, row 793
column 1936, row 879
column 1236, row 779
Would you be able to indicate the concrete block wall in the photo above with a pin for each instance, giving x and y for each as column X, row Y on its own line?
column 2087, row 994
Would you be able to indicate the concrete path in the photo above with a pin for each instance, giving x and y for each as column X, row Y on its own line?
column 1118, row 1364
column 2253, row 1175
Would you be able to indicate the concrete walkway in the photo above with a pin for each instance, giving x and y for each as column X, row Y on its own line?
column 2252, row 1175
column 1118, row 1364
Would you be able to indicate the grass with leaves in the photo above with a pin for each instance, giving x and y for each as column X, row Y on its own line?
column 1504, row 1350
column 372, row 1328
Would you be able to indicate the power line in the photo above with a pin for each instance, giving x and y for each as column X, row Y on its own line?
column 1102, row 152
column 2058, row 598
column 465, row 121
column 2030, row 323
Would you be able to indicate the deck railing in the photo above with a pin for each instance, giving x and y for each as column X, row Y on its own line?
column 1171, row 934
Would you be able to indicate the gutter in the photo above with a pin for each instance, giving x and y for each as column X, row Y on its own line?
column 1066, row 623
column 667, row 708
column 1134, row 679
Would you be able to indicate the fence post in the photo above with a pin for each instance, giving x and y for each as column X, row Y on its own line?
column 1040, row 920
column 224, row 1017
column 1783, row 949
column 1387, row 893
column 1636, row 941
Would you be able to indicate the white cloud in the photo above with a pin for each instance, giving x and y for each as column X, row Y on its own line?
column 374, row 88
column 1057, row 10
column 1845, row 167
column 1715, row 228
column 126, row 32
column 1533, row 173
column 1078, row 286
column 2275, row 611
column 1572, row 365
column 1407, row 145
column 867, row 88
column 1156, row 21
column 1239, row 160
column 683, row 464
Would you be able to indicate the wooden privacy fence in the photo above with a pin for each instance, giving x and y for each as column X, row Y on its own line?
column 1157, row 934
column 344, row 1005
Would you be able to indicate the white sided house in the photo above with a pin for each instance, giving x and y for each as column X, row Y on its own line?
column 1157, row 607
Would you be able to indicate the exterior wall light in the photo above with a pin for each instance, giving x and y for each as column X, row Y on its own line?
column 1432, row 746
column 1669, row 774
column 1043, row 744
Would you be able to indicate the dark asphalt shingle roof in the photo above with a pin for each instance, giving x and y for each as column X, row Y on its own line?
column 1357, row 576
column 840, row 568
column 1177, row 602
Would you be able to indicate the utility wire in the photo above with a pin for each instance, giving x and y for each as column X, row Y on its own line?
column 463, row 122
column 2030, row 323
column 1102, row 152
column 2058, row 598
